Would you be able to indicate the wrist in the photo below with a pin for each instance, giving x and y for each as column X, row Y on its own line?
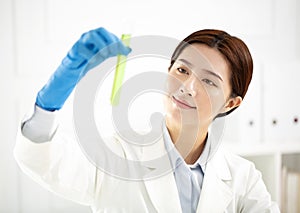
column 41, row 126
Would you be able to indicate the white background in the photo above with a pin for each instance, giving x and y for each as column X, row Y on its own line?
column 36, row 34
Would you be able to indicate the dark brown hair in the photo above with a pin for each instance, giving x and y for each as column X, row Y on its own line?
column 235, row 52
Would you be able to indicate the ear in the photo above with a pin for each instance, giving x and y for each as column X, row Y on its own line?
column 232, row 103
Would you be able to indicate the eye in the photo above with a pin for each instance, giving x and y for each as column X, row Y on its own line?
column 183, row 71
column 209, row 82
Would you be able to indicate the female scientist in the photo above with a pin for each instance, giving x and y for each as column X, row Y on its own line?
column 203, row 179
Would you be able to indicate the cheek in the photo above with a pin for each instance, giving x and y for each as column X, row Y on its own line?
column 204, row 105
column 172, row 84
column 172, row 113
column 209, row 101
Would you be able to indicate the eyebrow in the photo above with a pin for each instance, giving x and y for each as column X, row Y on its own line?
column 208, row 71
column 186, row 62
column 213, row 73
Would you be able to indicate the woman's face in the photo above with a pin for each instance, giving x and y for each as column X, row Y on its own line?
column 198, row 86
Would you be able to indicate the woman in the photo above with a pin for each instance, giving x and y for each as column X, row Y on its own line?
column 209, row 76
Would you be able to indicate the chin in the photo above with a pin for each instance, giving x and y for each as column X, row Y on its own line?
column 173, row 116
column 180, row 116
column 183, row 119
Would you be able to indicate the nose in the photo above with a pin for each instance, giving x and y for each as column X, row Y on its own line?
column 187, row 87
column 183, row 91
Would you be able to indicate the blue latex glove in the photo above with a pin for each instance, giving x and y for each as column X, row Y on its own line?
column 89, row 51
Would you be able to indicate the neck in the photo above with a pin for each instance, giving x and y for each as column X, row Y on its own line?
column 188, row 140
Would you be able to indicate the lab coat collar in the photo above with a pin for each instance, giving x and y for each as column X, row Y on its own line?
column 211, row 145
column 160, row 182
column 216, row 194
column 219, row 164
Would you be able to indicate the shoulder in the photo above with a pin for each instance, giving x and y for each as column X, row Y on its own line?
column 248, row 185
column 235, row 162
column 242, row 172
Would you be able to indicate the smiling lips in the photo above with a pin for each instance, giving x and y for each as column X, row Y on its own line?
column 182, row 104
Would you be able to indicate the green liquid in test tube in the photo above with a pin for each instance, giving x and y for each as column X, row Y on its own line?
column 119, row 73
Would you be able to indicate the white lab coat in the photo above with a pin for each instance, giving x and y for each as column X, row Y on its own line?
column 231, row 184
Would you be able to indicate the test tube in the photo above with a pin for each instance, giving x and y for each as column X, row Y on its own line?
column 119, row 73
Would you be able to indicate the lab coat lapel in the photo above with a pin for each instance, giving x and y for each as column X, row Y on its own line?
column 159, row 181
column 163, row 193
column 216, row 194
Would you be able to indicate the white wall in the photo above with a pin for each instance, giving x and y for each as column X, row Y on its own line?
column 36, row 34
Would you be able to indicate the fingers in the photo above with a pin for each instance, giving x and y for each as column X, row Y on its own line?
column 93, row 41
column 116, row 45
column 80, row 50
column 107, row 43
column 98, row 42
column 107, row 37
column 124, row 50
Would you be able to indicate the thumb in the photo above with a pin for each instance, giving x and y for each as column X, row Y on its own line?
column 124, row 50
column 124, row 44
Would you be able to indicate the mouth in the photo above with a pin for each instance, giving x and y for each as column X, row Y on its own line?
column 182, row 104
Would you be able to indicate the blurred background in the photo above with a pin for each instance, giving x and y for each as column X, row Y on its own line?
column 36, row 34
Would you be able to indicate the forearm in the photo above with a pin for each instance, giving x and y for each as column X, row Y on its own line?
column 54, row 160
